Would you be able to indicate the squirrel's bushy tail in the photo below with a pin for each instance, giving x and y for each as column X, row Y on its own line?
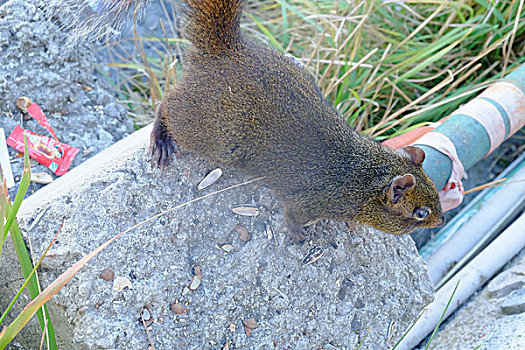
column 213, row 25
column 94, row 19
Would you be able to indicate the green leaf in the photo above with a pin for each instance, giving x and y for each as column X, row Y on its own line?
column 24, row 259
column 22, row 190
column 266, row 32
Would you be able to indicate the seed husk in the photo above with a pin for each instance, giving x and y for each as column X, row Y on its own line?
column 313, row 255
column 246, row 210
column 210, row 179
column 225, row 247
column 269, row 231
column 197, row 278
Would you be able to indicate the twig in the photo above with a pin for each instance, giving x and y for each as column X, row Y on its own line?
column 492, row 184
column 147, row 332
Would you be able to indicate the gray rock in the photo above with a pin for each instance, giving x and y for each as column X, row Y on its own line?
column 365, row 281
column 514, row 303
column 506, row 282
column 36, row 63
column 59, row 77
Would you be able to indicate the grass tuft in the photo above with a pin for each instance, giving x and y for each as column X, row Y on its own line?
column 386, row 65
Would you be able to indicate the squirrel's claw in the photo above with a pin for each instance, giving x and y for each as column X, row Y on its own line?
column 296, row 232
column 162, row 148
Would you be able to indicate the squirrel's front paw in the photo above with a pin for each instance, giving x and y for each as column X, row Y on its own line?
column 162, row 147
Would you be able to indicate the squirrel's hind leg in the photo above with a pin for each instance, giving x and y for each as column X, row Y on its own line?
column 295, row 230
column 162, row 146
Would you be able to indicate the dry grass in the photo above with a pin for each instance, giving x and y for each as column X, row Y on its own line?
column 388, row 66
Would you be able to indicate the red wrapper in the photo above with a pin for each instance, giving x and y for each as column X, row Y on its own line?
column 55, row 155
column 35, row 111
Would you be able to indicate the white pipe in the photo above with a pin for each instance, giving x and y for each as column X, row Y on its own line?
column 473, row 231
column 471, row 277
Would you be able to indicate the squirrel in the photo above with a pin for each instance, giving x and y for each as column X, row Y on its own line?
column 245, row 105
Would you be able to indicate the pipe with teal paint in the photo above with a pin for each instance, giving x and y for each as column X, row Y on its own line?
column 503, row 104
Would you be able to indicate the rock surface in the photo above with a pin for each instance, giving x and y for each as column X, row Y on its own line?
column 366, row 280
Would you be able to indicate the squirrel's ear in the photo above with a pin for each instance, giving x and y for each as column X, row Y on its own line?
column 401, row 185
column 417, row 155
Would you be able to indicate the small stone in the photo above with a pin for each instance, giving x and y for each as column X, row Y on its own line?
column 250, row 323
column 514, row 303
column 505, row 284
column 146, row 314
column 248, row 331
column 107, row 275
column 243, row 232
column 178, row 309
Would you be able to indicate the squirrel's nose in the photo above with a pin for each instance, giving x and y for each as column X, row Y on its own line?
column 441, row 220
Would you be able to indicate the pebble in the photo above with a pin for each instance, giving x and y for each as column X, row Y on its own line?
column 514, row 303
column 507, row 282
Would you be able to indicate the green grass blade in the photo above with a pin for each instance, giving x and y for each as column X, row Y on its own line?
column 32, row 286
column 27, row 281
column 24, row 259
column 408, row 330
column 431, row 59
column 4, row 195
column 22, row 190
column 36, row 304
column 442, row 315
column 16, row 326
column 266, row 32
column 364, row 338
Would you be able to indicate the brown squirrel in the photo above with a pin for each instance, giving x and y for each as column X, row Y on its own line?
column 244, row 105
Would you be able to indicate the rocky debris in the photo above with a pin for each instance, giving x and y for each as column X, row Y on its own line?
column 365, row 282
column 493, row 319
column 508, row 281
column 514, row 303
column 60, row 78
column 107, row 275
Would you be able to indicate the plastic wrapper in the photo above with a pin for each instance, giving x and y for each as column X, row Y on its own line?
column 55, row 155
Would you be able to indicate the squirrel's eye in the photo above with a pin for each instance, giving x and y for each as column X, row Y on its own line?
column 421, row 213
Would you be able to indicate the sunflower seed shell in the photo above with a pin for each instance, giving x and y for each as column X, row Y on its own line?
column 210, row 179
